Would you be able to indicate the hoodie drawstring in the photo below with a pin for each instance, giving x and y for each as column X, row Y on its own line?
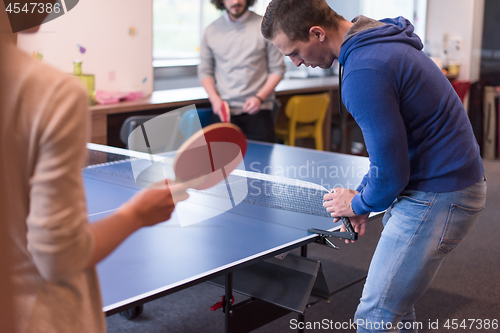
column 341, row 73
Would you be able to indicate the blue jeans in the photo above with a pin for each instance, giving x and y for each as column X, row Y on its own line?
column 420, row 228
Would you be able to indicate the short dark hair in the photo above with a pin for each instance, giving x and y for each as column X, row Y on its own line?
column 296, row 17
column 219, row 4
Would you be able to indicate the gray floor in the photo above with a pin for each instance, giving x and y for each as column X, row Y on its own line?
column 466, row 288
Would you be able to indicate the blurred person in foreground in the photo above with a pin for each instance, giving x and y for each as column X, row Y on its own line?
column 43, row 132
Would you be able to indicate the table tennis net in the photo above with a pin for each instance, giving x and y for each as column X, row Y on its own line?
column 240, row 186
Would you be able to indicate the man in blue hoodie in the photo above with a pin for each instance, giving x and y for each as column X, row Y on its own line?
column 426, row 170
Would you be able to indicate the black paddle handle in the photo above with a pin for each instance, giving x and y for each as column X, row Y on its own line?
column 347, row 224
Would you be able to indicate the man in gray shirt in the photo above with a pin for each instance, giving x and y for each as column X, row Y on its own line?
column 239, row 66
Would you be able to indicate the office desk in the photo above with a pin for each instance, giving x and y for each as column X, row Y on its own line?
column 106, row 119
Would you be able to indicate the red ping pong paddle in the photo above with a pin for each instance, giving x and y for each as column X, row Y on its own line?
column 210, row 155
column 225, row 115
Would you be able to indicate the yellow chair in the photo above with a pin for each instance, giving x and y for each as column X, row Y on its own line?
column 306, row 115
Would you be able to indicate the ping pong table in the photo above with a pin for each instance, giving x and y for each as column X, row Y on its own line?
column 166, row 258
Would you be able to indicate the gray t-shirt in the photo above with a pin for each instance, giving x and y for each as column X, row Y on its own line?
column 239, row 59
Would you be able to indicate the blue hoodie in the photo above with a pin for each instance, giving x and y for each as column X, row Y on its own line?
column 416, row 130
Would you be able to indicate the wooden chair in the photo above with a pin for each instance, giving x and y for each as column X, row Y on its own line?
column 306, row 114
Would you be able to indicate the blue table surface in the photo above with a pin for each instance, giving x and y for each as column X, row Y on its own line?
column 167, row 256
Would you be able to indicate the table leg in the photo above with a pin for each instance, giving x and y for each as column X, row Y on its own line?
column 302, row 318
column 228, row 296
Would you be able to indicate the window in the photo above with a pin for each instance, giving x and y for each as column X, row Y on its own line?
column 413, row 10
column 178, row 26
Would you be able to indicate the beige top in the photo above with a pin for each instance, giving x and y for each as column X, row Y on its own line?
column 43, row 131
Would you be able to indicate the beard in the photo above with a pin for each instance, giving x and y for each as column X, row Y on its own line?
column 237, row 11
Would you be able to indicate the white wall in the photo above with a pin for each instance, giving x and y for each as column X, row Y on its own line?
column 348, row 9
column 119, row 61
column 413, row 10
column 122, row 62
column 462, row 20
